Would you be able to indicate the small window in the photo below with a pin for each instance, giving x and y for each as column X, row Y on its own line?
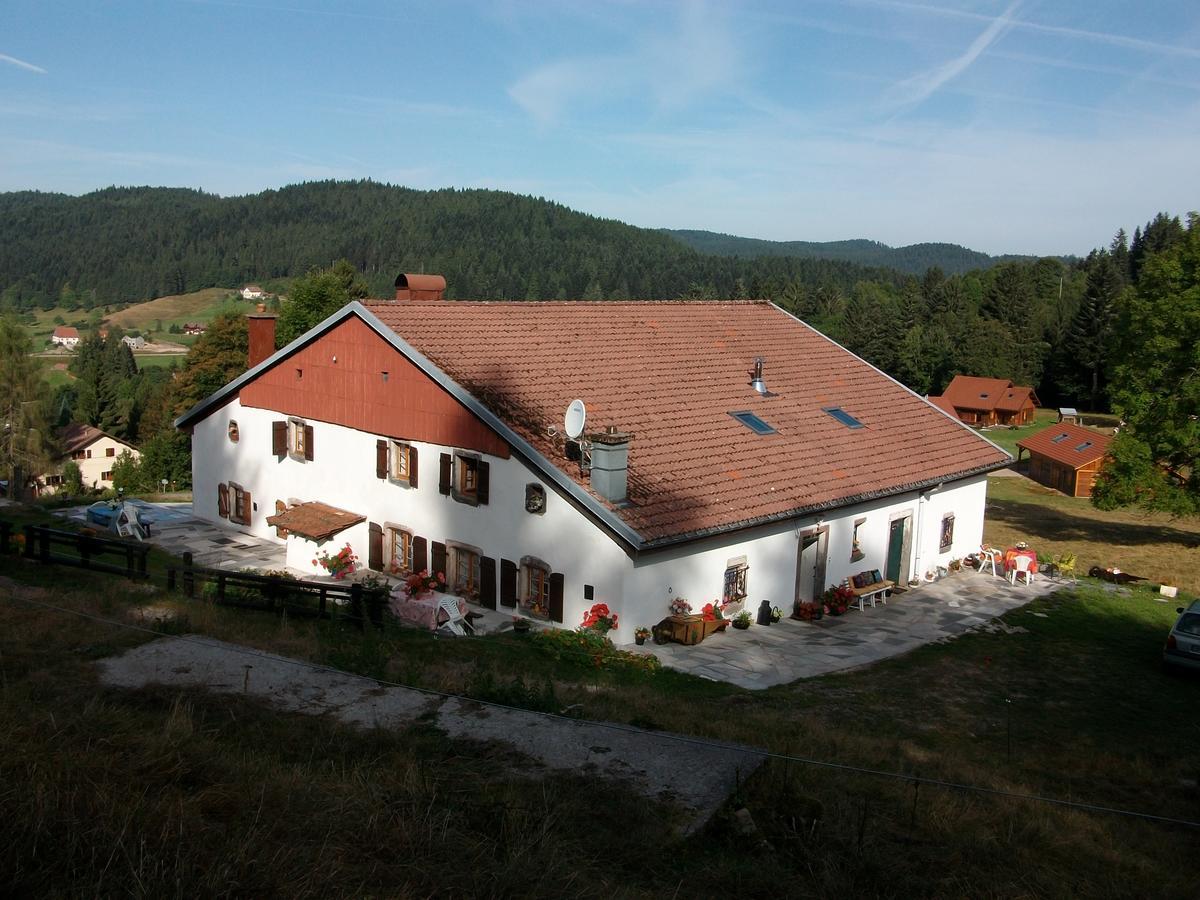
column 299, row 374
column 106, row 476
column 466, row 478
column 535, row 499
column 1083, row 446
column 296, row 438
column 856, row 551
column 234, row 434
column 399, row 550
column 947, row 539
column 983, row 396
column 463, row 573
column 384, row 375
column 89, row 454
column 110, row 451
column 735, row 580
column 400, row 462
column 535, row 583
column 1059, row 438
column 753, row 422
column 844, row 417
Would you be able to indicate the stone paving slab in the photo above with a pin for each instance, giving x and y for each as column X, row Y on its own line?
column 694, row 778
column 762, row 656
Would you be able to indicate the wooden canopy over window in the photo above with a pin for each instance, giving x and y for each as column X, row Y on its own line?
column 314, row 520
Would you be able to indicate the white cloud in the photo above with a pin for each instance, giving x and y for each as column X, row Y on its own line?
column 21, row 64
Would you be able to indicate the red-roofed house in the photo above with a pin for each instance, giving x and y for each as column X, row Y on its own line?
column 93, row 450
column 1065, row 457
column 987, row 401
column 435, row 429
column 65, row 336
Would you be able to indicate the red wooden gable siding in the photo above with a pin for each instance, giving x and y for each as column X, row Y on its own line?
column 352, row 392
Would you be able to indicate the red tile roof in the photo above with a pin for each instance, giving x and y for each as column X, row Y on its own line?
column 314, row 520
column 1061, row 443
column 671, row 373
column 66, row 331
column 76, row 437
column 985, row 394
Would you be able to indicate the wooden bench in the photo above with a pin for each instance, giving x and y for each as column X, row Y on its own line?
column 875, row 591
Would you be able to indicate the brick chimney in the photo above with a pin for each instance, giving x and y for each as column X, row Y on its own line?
column 261, row 325
column 419, row 287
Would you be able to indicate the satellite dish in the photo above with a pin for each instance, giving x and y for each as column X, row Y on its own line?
column 575, row 419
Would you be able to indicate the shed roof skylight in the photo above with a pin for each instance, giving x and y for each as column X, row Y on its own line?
column 844, row 417
column 1059, row 438
column 753, row 422
column 1083, row 446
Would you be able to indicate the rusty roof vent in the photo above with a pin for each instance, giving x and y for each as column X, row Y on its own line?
column 419, row 287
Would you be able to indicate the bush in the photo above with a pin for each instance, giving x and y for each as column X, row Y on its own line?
column 589, row 648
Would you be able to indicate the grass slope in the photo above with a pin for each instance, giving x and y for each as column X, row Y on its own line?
column 178, row 309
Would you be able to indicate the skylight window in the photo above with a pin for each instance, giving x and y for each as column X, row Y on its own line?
column 1083, row 446
column 844, row 417
column 753, row 422
column 1059, row 438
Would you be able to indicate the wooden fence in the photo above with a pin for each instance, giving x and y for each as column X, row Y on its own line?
column 90, row 551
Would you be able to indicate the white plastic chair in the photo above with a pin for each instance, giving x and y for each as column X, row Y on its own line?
column 1020, row 567
column 455, row 622
column 988, row 557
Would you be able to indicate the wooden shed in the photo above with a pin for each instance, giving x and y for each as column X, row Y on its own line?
column 1065, row 457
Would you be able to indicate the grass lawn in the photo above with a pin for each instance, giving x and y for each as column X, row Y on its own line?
column 158, row 792
column 1153, row 545
column 178, row 309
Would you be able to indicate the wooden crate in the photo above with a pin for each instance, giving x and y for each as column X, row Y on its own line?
column 681, row 629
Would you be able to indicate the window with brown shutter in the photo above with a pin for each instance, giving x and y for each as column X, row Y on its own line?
column 444, row 474
column 279, row 438
column 483, row 480
column 556, row 596
column 508, row 583
column 223, row 501
column 374, row 547
column 381, row 459
column 487, row 582
column 247, row 508
column 438, row 562
column 420, row 560
column 412, row 467
column 400, row 462
column 308, row 442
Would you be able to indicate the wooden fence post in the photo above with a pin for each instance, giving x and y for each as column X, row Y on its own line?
column 30, row 542
column 189, row 579
column 356, row 604
column 221, row 587
column 322, row 596
column 170, row 578
column 143, row 552
column 44, row 544
column 5, row 532
column 85, row 550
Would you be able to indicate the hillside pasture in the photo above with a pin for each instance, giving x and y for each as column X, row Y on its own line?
column 179, row 309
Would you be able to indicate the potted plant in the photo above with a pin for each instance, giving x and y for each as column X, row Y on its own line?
column 776, row 614
column 599, row 619
column 520, row 625
column 837, row 600
column 341, row 564
column 680, row 607
column 640, row 635
column 742, row 621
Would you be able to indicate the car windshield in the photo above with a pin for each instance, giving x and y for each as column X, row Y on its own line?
column 1189, row 623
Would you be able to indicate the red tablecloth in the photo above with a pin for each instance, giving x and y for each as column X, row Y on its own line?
column 1010, row 559
column 423, row 613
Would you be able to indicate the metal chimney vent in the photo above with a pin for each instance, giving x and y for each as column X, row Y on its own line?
column 756, row 380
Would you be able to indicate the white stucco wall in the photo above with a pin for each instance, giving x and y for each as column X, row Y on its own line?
column 92, row 468
column 342, row 474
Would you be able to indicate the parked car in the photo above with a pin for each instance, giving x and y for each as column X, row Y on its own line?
column 1182, row 650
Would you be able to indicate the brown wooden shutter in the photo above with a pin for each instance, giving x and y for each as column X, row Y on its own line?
column 412, row 467
column 223, row 500
column 420, row 554
column 247, row 508
column 308, row 442
column 556, row 597
column 438, row 563
column 280, row 507
column 381, row 459
column 483, row 481
column 487, row 582
column 374, row 547
column 279, row 438
column 508, row 583
column 444, row 475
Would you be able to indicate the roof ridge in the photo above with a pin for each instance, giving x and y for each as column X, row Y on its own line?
column 568, row 302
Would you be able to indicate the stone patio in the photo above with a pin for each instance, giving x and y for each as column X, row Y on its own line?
column 761, row 656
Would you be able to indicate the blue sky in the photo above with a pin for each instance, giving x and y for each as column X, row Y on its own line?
column 1007, row 127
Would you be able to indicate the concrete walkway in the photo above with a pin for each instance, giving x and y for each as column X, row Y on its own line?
column 761, row 656
column 694, row 778
column 177, row 531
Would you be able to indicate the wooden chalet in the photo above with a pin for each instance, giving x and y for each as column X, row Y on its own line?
column 987, row 401
column 1065, row 457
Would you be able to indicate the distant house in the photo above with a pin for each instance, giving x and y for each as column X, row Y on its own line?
column 195, row 328
column 1068, row 414
column 134, row 343
column 1065, row 457
column 987, row 401
column 93, row 451
column 253, row 292
column 65, row 336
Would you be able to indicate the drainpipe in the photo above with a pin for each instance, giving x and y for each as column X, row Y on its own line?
column 922, row 500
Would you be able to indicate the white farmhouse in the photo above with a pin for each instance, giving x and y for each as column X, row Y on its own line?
column 253, row 292
column 429, row 433
column 65, row 336
column 93, row 450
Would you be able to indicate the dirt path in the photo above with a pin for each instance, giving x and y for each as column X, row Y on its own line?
column 696, row 778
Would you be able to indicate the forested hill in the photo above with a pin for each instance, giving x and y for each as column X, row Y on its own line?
column 913, row 259
column 131, row 244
